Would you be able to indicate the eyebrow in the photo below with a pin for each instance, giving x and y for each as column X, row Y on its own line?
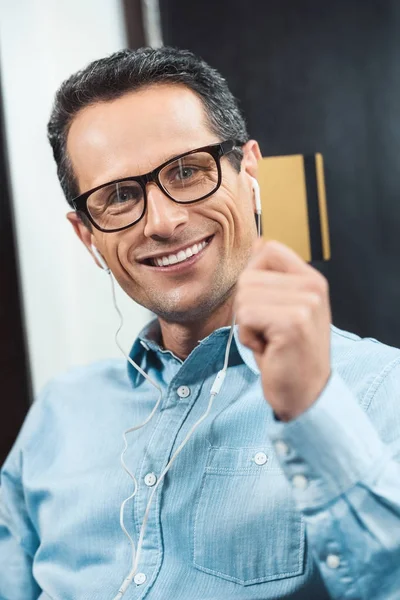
column 166, row 160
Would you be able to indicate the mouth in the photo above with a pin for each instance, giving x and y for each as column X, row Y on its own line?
column 184, row 257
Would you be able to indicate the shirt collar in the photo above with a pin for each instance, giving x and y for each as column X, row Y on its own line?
column 149, row 339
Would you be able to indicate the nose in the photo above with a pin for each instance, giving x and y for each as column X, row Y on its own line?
column 163, row 216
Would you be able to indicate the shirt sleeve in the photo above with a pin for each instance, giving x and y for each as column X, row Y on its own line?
column 346, row 483
column 18, row 540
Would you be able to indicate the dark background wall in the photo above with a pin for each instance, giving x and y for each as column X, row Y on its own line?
column 322, row 76
column 15, row 390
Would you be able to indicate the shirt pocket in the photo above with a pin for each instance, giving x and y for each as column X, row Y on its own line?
column 246, row 527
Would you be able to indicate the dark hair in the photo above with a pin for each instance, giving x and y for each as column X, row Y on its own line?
column 128, row 70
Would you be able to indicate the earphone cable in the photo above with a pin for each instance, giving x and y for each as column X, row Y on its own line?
column 215, row 388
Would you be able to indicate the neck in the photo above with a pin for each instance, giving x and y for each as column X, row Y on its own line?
column 182, row 338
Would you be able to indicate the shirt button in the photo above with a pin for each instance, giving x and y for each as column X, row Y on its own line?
column 150, row 479
column 260, row 458
column 139, row 578
column 300, row 482
column 183, row 391
column 332, row 561
column 281, row 448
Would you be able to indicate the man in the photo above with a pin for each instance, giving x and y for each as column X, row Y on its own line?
column 289, row 487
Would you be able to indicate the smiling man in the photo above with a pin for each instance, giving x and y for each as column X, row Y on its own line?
column 283, row 474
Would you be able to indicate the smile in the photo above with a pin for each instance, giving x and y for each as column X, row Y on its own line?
column 182, row 255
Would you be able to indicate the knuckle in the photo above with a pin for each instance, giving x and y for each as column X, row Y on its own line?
column 271, row 246
column 271, row 250
column 320, row 284
column 314, row 300
column 301, row 317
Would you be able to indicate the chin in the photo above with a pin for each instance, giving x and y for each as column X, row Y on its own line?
column 191, row 311
column 182, row 314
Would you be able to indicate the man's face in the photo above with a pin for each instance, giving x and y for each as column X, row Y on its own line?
column 131, row 136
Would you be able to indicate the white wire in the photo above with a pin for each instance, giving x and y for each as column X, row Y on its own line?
column 215, row 388
column 145, row 422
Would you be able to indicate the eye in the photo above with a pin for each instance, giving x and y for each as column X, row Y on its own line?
column 182, row 173
column 191, row 171
column 125, row 194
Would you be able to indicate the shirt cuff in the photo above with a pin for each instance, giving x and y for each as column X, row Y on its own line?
column 329, row 448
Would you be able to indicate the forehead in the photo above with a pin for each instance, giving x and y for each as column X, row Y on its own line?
column 135, row 133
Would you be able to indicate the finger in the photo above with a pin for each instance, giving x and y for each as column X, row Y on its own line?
column 274, row 256
column 265, row 300
column 251, row 340
column 257, row 325
column 274, row 280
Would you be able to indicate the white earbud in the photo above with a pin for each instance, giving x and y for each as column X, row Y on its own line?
column 101, row 260
column 257, row 196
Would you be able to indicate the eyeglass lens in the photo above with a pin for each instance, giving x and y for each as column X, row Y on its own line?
column 186, row 179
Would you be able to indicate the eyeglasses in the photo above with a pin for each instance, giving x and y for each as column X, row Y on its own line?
column 185, row 179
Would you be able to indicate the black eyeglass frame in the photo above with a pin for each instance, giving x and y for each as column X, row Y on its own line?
column 217, row 151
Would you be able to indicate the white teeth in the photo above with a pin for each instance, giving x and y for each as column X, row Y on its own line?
column 182, row 255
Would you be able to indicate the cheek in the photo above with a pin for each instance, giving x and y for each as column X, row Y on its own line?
column 236, row 219
column 119, row 248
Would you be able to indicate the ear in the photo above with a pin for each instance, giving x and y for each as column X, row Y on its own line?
column 251, row 156
column 82, row 231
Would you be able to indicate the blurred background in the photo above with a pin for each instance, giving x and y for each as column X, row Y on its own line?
column 310, row 77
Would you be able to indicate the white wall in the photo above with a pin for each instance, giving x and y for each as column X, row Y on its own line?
column 67, row 300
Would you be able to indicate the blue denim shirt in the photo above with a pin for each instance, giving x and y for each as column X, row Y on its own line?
column 253, row 509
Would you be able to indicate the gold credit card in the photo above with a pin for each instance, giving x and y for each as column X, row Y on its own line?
column 293, row 200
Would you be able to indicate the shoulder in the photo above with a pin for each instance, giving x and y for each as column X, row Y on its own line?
column 370, row 368
column 77, row 393
column 356, row 357
column 70, row 406
column 85, row 386
column 349, row 346
column 104, row 372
